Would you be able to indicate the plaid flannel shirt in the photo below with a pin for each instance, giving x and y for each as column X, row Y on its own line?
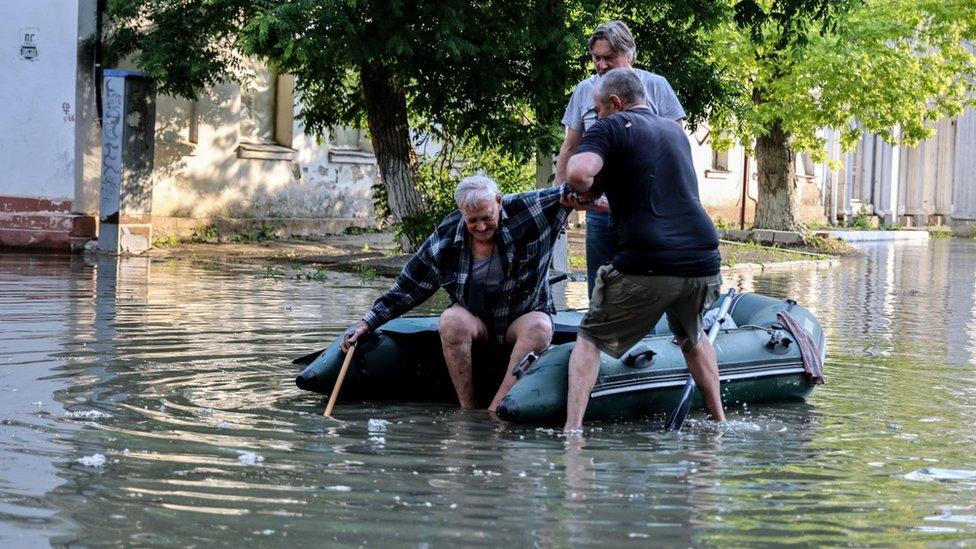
column 528, row 227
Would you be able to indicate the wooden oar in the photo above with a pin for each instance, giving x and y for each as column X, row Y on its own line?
column 677, row 417
column 338, row 383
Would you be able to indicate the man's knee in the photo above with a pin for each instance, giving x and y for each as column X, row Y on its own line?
column 535, row 329
column 457, row 325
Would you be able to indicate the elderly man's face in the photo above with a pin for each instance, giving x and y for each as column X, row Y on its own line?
column 482, row 220
column 604, row 58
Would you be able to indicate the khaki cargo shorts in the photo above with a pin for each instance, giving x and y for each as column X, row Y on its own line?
column 624, row 308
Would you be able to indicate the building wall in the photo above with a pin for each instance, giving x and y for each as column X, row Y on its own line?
column 933, row 183
column 45, row 79
column 39, row 99
column 964, row 173
column 964, row 169
column 720, row 182
column 325, row 185
column 239, row 154
column 88, row 136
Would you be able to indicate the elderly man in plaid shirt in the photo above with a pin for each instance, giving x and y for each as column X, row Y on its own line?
column 492, row 257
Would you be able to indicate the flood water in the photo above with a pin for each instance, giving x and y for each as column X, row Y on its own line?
column 151, row 403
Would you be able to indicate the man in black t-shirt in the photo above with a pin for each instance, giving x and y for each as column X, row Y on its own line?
column 667, row 259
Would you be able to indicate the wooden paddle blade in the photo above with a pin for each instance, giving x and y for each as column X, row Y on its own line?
column 307, row 359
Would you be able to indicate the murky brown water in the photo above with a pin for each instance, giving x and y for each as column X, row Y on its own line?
column 152, row 403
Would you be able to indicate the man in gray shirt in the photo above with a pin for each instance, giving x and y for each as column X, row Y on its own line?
column 612, row 46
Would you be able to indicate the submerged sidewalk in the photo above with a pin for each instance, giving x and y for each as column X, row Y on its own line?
column 376, row 254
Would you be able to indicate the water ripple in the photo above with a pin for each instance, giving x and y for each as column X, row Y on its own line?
column 178, row 374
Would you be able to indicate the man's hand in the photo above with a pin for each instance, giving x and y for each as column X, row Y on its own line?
column 353, row 334
column 585, row 201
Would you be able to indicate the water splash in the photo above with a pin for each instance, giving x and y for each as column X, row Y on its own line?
column 932, row 474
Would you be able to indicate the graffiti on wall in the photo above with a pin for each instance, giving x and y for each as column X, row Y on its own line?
column 111, row 181
column 28, row 44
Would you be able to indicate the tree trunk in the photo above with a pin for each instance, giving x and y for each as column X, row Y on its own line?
column 386, row 114
column 778, row 202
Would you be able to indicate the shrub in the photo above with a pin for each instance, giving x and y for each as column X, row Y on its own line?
column 438, row 176
column 862, row 219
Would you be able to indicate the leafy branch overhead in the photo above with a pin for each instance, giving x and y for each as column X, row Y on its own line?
column 496, row 70
column 889, row 67
column 769, row 74
column 879, row 66
column 492, row 72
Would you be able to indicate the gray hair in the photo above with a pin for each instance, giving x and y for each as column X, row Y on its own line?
column 623, row 83
column 475, row 189
column 617, row 34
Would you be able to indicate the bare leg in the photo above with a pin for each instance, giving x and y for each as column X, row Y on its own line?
column 584, row 365
column 458, row 329
column 703, row 365
column 531, row 332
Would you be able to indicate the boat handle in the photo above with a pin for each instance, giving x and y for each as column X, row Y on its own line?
column 522, row 365
column 634, row 356
column 776, row 339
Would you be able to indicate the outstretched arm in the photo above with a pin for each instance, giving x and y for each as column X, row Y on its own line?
column 417, row 282
column 581, row 170
column 570, row 142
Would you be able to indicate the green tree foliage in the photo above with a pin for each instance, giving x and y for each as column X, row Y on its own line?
column 494, row 71
column 672, row 40
column 889, row 67
column 490, row 69
column 489, row 72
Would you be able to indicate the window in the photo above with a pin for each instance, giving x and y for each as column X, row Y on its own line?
column 350, row 146
column 176, row 126
column 720, row 161
column 805, row 165
column 267, row 116
column 719, row 165
column 349, row 138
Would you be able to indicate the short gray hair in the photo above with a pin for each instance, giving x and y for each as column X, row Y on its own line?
column 617, row 34
column 475, row 189
column 623, row 83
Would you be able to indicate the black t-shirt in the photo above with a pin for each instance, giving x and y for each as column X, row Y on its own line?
column 649, row 179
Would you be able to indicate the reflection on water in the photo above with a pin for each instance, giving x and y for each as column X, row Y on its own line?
column 152, row 403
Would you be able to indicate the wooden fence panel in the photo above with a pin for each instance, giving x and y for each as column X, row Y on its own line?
column 945, row 139
column 964, row 188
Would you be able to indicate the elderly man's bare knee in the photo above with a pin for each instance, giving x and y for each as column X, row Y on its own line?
column 534, row 331
column 457, row 325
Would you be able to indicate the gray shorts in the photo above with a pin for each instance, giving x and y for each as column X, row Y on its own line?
column 624, row 308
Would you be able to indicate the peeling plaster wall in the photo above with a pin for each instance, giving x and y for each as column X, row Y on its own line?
column 208, row 179
column 326, row 188
column 324, row 180
column 38, row 97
